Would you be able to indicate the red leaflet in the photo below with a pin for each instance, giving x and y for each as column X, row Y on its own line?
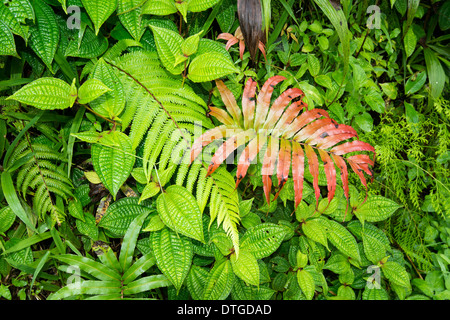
column 330, row 173
column 298, row 169
column 289, row 114
column 330, row 141
column 284, row 164
column 302, row 120
column 221, row 115
column 230, row 101
column 351, row 147
column 269, row 165
column 249, row 102
column 344, row 173
column 313, row 163
column 208, row 137
column 263, row 100
column 307, row 131
column 248, row 155
column 359, row 171
column 228, row 147
column 279, row 105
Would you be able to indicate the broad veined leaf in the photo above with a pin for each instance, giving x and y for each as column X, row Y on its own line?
column 410, row 42
column 7, row 218
column 210, row 66
column 113, row 164
column 159, row 7
column 396, row 274
column 219, row 282
column 14, row 21
column 47, row 94
column 121, row 213
column 245, row 267
column 168, row 44
column 286, row 136
column 130, row 15
column 341, row 238
column 173, row 255
column 435, row 72
column 376, row 208
column 314, row 230
column 179, row 210
column 7, row 44
column 196, row 281
column 112, row 102
column 263, row 239
column 306, row 283
column 91, row 45
column 45, row 33
column 91, row 90
column 99, row 11
column 200, row 5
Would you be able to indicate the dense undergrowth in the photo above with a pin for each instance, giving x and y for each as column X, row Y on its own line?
column 167, row 150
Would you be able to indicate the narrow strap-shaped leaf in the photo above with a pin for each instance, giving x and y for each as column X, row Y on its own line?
column 279, row 106
column 129, row 241
column 248, row 155
column 289, row 115
column 146, row 284
column 208, row 137
column 221, row 115
column 94, row 268
column 228, row 147
column 344, row 173
column 351, row 147
column 90, row 287
column 263, row 100
column 298, row 168
column 330, row 173
column 139, row 267
column 230, row 101
column 249, row 102
column 268, row 166
column 284, row 164
column 313, row 163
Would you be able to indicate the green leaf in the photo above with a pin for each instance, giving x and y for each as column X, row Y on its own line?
column 113, row 164
column 306, row 283
column 346, row 292
column 129, row 241
column 99, row 11
column 45, row 33
column 107, row 256
column 121, row 213
column 13, row 200
column 179, row 210
column 376, row 208
column 314, row 230
column 88, row 226
column 374, row 100
column 173, row 255
column 390, row 89
column 168, row 44
column 91, row 46
column 342, row 239
column 146, row 284
column 410, row 42
column 7, row 44
column 444, row 13
column 159, row 7
column 7, row 218
column 13, row 21
column 364, row 121
column 47, row 94
column 94, row 268
column 245, row 267
column 112, row 103
column 262, row 240
column 89, row 287
column 435, row 71
column 190, row 44
column 412, row 116
column 313, row 65
column 139, row 267
column 210, row 66
column 129, row 13
column 201, row 5
column 219, row 282
column 196, row 281
column 396, row 274
column 91, row 90
column 414, row 84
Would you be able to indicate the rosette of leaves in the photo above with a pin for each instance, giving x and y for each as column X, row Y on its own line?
column 288, row 137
